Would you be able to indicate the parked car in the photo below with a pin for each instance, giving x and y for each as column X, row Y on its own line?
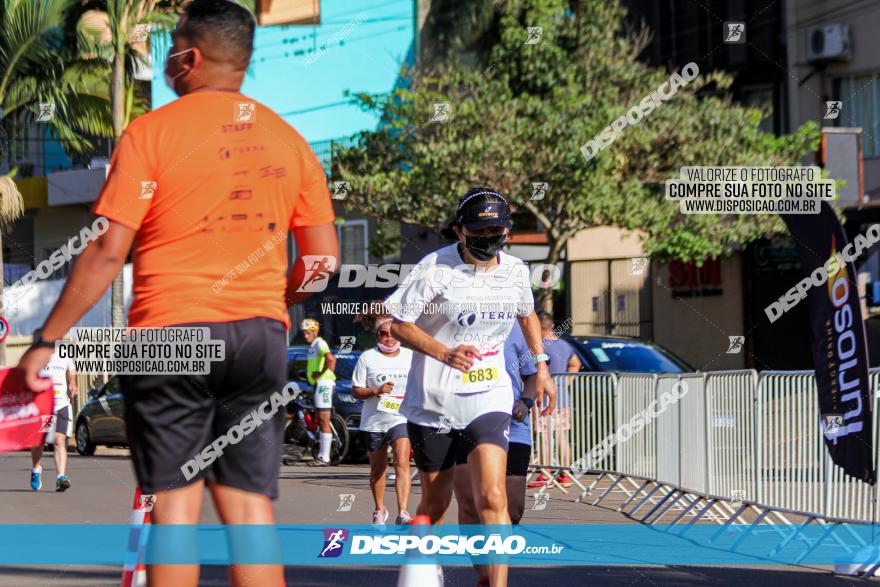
column 345, row 404
column 101, row 421
column 625, row 354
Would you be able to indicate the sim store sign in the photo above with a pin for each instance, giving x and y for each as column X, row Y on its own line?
column 687, row 280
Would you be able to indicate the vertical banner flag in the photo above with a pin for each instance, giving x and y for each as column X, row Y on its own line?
column 837, row 333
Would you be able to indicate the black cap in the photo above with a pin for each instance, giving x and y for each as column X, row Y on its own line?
column 483, row 207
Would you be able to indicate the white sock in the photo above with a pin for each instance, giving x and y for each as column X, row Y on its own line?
column 37, row 469
column 326, row 439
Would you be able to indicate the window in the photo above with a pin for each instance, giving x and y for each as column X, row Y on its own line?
column 761, row 97
column 353, row 242
column 861, row 108
column 62, row 272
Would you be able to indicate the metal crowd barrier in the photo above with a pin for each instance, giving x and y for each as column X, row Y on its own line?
column 739, row 436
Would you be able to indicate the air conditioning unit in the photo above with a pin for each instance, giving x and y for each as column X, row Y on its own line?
column 828, row 42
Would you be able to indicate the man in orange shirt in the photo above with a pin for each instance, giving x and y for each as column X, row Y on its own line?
column 206, row 189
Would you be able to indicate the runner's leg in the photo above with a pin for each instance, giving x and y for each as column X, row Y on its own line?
column 60, row 453
column 402, row 481
column 436, row 493
column 378, row 467
column 516, row 497
column 325, row 436
column 467, row 509
column 36, row 455
column 487, row 464
column 324, row 404
column 324, row 422
column 177, row 506
column 37, row 470
column 235, row 506
column 518, row 457
column 435, row 458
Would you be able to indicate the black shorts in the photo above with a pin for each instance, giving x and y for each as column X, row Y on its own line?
column 518, row 456
column 434, row 451
column 379, row 440
column 171, row 419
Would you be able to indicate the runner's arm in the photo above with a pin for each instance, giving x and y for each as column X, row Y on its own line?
column 530, row 387
column 92, row 274
column 329, row 365
column 359, row 387
column 363, row 392
column 72, row 389
column 461, row 357
column 368, row 392
column 317, row 240
column 573, row 366
column 531, row 328
column 330, row 362
column 530, row 391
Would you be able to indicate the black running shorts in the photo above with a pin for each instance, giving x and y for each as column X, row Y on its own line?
column 379, row 440
column 435, row 451
column 172, row 419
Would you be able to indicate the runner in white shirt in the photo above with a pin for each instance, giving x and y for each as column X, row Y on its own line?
column 380, row 380
column 455, row 309
column 61, row 372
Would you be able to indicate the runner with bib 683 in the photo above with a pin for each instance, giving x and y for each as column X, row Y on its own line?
column 455, row 309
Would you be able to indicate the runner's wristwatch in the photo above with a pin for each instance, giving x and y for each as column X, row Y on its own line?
column 39, row 342
column 542, row 357
column 529, row 402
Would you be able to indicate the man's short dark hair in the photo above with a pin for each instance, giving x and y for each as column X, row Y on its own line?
column 223, row 30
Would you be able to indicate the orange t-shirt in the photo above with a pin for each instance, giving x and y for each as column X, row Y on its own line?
column 212, row 182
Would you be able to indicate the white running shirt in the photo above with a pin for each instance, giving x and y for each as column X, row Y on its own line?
column 372, row 370
column 56, row 370
column 448, row 300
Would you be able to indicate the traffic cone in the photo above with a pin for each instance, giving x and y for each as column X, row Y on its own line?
column 420, row 574
column 134, row 571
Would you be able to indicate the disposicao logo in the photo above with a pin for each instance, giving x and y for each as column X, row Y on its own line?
column 334, row 541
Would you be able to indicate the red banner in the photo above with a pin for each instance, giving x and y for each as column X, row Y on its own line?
column 25, row 417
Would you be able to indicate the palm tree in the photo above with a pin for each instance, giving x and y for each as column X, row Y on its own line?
column 121, row 54
column 11, row 208
column 29, row 72
column 35, row 60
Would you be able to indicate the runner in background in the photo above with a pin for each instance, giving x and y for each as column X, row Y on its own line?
column 562, row 360
column 522, row 372
column 63, row 376
column 197, row 186
column 320, row 369
column 458, row 396
column 380, row 380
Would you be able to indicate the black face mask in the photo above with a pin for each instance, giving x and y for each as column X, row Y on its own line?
column 484, row 248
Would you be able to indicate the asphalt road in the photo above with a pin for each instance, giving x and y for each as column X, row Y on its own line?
column 103, row 486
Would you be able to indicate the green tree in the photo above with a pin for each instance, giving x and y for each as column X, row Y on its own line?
column 29, row 75
column 522, row 115
column 118, row 54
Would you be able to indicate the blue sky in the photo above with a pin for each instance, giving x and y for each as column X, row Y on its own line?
column 307, row 86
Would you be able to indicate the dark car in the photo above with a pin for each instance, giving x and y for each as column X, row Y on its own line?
column 344, row 403
column 100, row 421
column 625, row 355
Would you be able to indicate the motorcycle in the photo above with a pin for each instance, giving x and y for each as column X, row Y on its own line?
column 301, row 434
